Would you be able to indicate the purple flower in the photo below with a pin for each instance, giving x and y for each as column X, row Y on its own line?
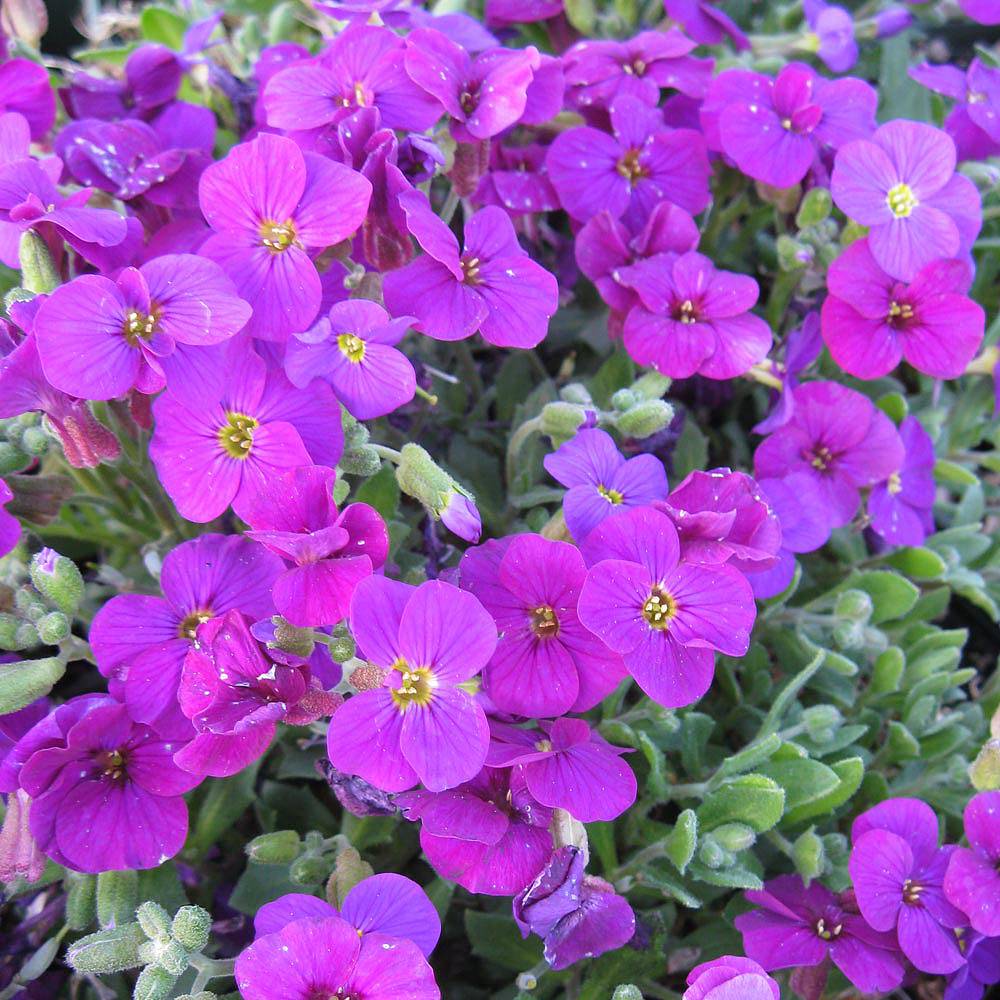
column 902, row 185
column 357, row 796
column 604, row 247
column 901, row 507
column 599, row 71
column 567, row 765
column 972, row 881
column 871, row 321
column 839, row 439
column 665, row 616
column 774, row 130
column 705, row 23
column 983, row 11
column 386, row 904
column 221, row 449
column 149, row 636
column 834, row 29
column 460, row 516
column 799, row 505
column 729, row 978
column 10, row 526
column 489, row 835
column 483, row 96
column 362, row 68
column 99, row 338
column 600, row 481
column 294, row 516
column 546, row 663
column 981, row 969
column 521, row 11
column 629, row 172
column 801, row 348
column 105, row 794
column 19, row 854
column 272, row 206
column 313, row 958
column 693, row 319
column 492, row 286
column 151, row 79
column 421, row 724
column 721, row 517
column 517, row 180
column 798, row 926
column 353, row 348
column 26, row 89
column 578, row 915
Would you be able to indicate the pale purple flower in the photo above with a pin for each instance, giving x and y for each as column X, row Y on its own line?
column 901, row 507
column 10, row 527
column 902, row 185
column 983, row 11
column 521, row 11
column 871, row 321
column 600, row 481
column 705, row 23
column 151, row 78
column 461, row 517
column 981, row 969
column 664, row 615
column 802, row 347
column 730, row 978
column 972, row 881
column 25, row 88
column 834, row 30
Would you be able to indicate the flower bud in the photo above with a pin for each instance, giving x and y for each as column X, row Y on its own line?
column 19, row 854
column 849, row 635
column 190, row 927
column 23, row 682
column 809, row 855
column 200, row 995
column 793, row 254
column 420, row 477
column 853, row 605
column 38, row 273
column 291, row 639
column 8, row 632
column 34, row 441
column 154, row 920
column 892, row 21
column 107, row 951
column 26, row 20
column 117, row 897
column 363, row 461
column 172, row 957
column 308, row 871
column 734, row 837
column 815, row 207
column 626, row 992
column 576, row 392
column 645, row 419
column 52, row 628
column 58, row 579
column 349, row 870
column 81, row 895
column 461, row 517
column 12, row 459
column 153, row 983
column 712, row 854
column 984, row 771
column 342, row 648
column 39, row 498
column 821, row 721
column 652, row 385
column 26, row 636
column 560, row 421
column 624, row 399
column 278, row 848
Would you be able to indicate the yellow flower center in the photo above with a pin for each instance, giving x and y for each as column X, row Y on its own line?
column 686, row 312
column 236, row 435
column 544, row 622
column 899, row 312
column 138, row 326
column 612, row 496
column 894, row 484
column 821, row 458
column 188, row 627
column 635, row 68
column 828, row 933
column 277, row 236
column 660, row 608
column 911, row 892
column 543, row 746
column 630, row 168
column 352, row 347
column 416, row 686
column 901, row 200
column 112, row 763
column 470, row 269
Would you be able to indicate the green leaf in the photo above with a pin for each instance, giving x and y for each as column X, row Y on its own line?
column 691, row 450
column 892, row 595
column 952, row 474
column 23, row 682
column 902, row 743
column 735, row 877
column 158, row 24
column 888, row 671
column 381, row 492
column 616, row 373
column 495, row 936
column 748, row 758
column 261, row 884
column 804, row 780
column 656, row 876
column 602, row 842
column 682, row 840
column 221, row 805
column 900, row 96
column 850, row 773
column 918, row 563
column 753, row 799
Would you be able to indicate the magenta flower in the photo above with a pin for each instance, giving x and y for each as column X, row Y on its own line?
column 604, row 247
column 105, row 794
column 729, row 977
column 151, row 78
column 796, row 926
column 901, row 507
column 483, row 96
column 362, row 68
column 272, row 207
column 489, row 835
column 693, row 319
column 461, row 517
column 722, row 517
column 353, row 347
column 313, row 958
column 902, row 185
column 99, row 338
column 774, row 130
column 871, row 321
column 492, row 286
column 517, row 180
column 833, row 27
column 981, row 969
column 25, row 88
column 222, row 449
column 421, row 724
column 600, row 481
column 388, row 904
column 802, row 346
column 705, row 23
column 600, row 70
column 10, row 526
column 567, row 765
column 546, row 663
column 972, row 881
column 145, row 638
column 578, row 915
column 983, row 11
column 839, row 439
column 521, row 11
column 629, row 172
column 665, row 616
column 294, row 516
column 898, row 872
column 799, row 506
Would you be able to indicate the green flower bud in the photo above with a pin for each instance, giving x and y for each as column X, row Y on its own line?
column 58, row 580
column 52, row 628
column 624, row 399
column 117, row 897
column 651, row 385
column 627, row 992
column 191, row 926
column 854, row 605
column 26, row 636
column 821, row 721
column 12, row 459
column 107, row 951
column 27, row 602
column 154, row 920
column 342, row 648
column 291, row 639
column 576, row 392
column 645, row 419
column 35, row 441
column 793, row 254
column 356, row 434
column 836, row 848
column 852, row 232
column 984, row 771
column 200, row 995
column 809, row 855
column 814, row 208
column 23, row 682
column 349, row 870
column 849, row 635
column 712, row 854
column 81, row 895
column 420, row 477
column 153, row 983
column 363, row 461
column 38, row 273
column 734, row 837
column 173, row 957
column 8, row 631
column 308, row 871
column 560, row 421
column 281, row 847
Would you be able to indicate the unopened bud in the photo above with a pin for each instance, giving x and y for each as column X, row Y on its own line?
column 984, row 771
column 576, row 392
column 107, row 951
column 809, row 856
column 560, row 421
column 363, row 461
column 821, row 721
column 627, row 992
column 849, row 635
column 290, row 639
column 461, row 517
column 734, row 837
column 712, row 854
column 308, row 871
column 420, row 477
column 12, row 458
column 349, row 870
column 52, row 628
column 27, row 20
column 854, row 605
column 173, row 957
column 154, row 920
column 153, row 983
column 341, row 648
column 652, row 385
column 38, row 273
column 35, row 441
column 23, row 682
column 278, row 848
column 191, row 926
column 645, row 419
column 368, row 677
column 58, row 579
column 793, row 254
column 624, row 399
column 81, row 895
column 814, row 208
column 8, row 632
column 117, row 897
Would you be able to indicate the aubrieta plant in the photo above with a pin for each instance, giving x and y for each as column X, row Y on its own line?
column 500, row 501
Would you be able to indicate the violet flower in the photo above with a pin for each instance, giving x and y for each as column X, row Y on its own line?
column 802, row 347
column 600, row 481
column 983, row 11
column 730, row 977
column 972, row 881
column 25, row 88
column 546, row 663
column 517, row 180
column 10, row 526
column 834, row 30
column 901, row 507
column 981, row 969
column 705, row 23
column 871, row 321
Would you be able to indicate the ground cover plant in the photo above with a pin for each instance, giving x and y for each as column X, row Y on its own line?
column 500, row 502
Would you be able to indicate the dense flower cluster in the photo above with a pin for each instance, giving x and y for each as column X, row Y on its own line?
column 227, row 278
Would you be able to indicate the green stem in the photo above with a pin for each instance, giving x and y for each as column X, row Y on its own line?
column 209, row 969
column 389, row 454
column 467, row 365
